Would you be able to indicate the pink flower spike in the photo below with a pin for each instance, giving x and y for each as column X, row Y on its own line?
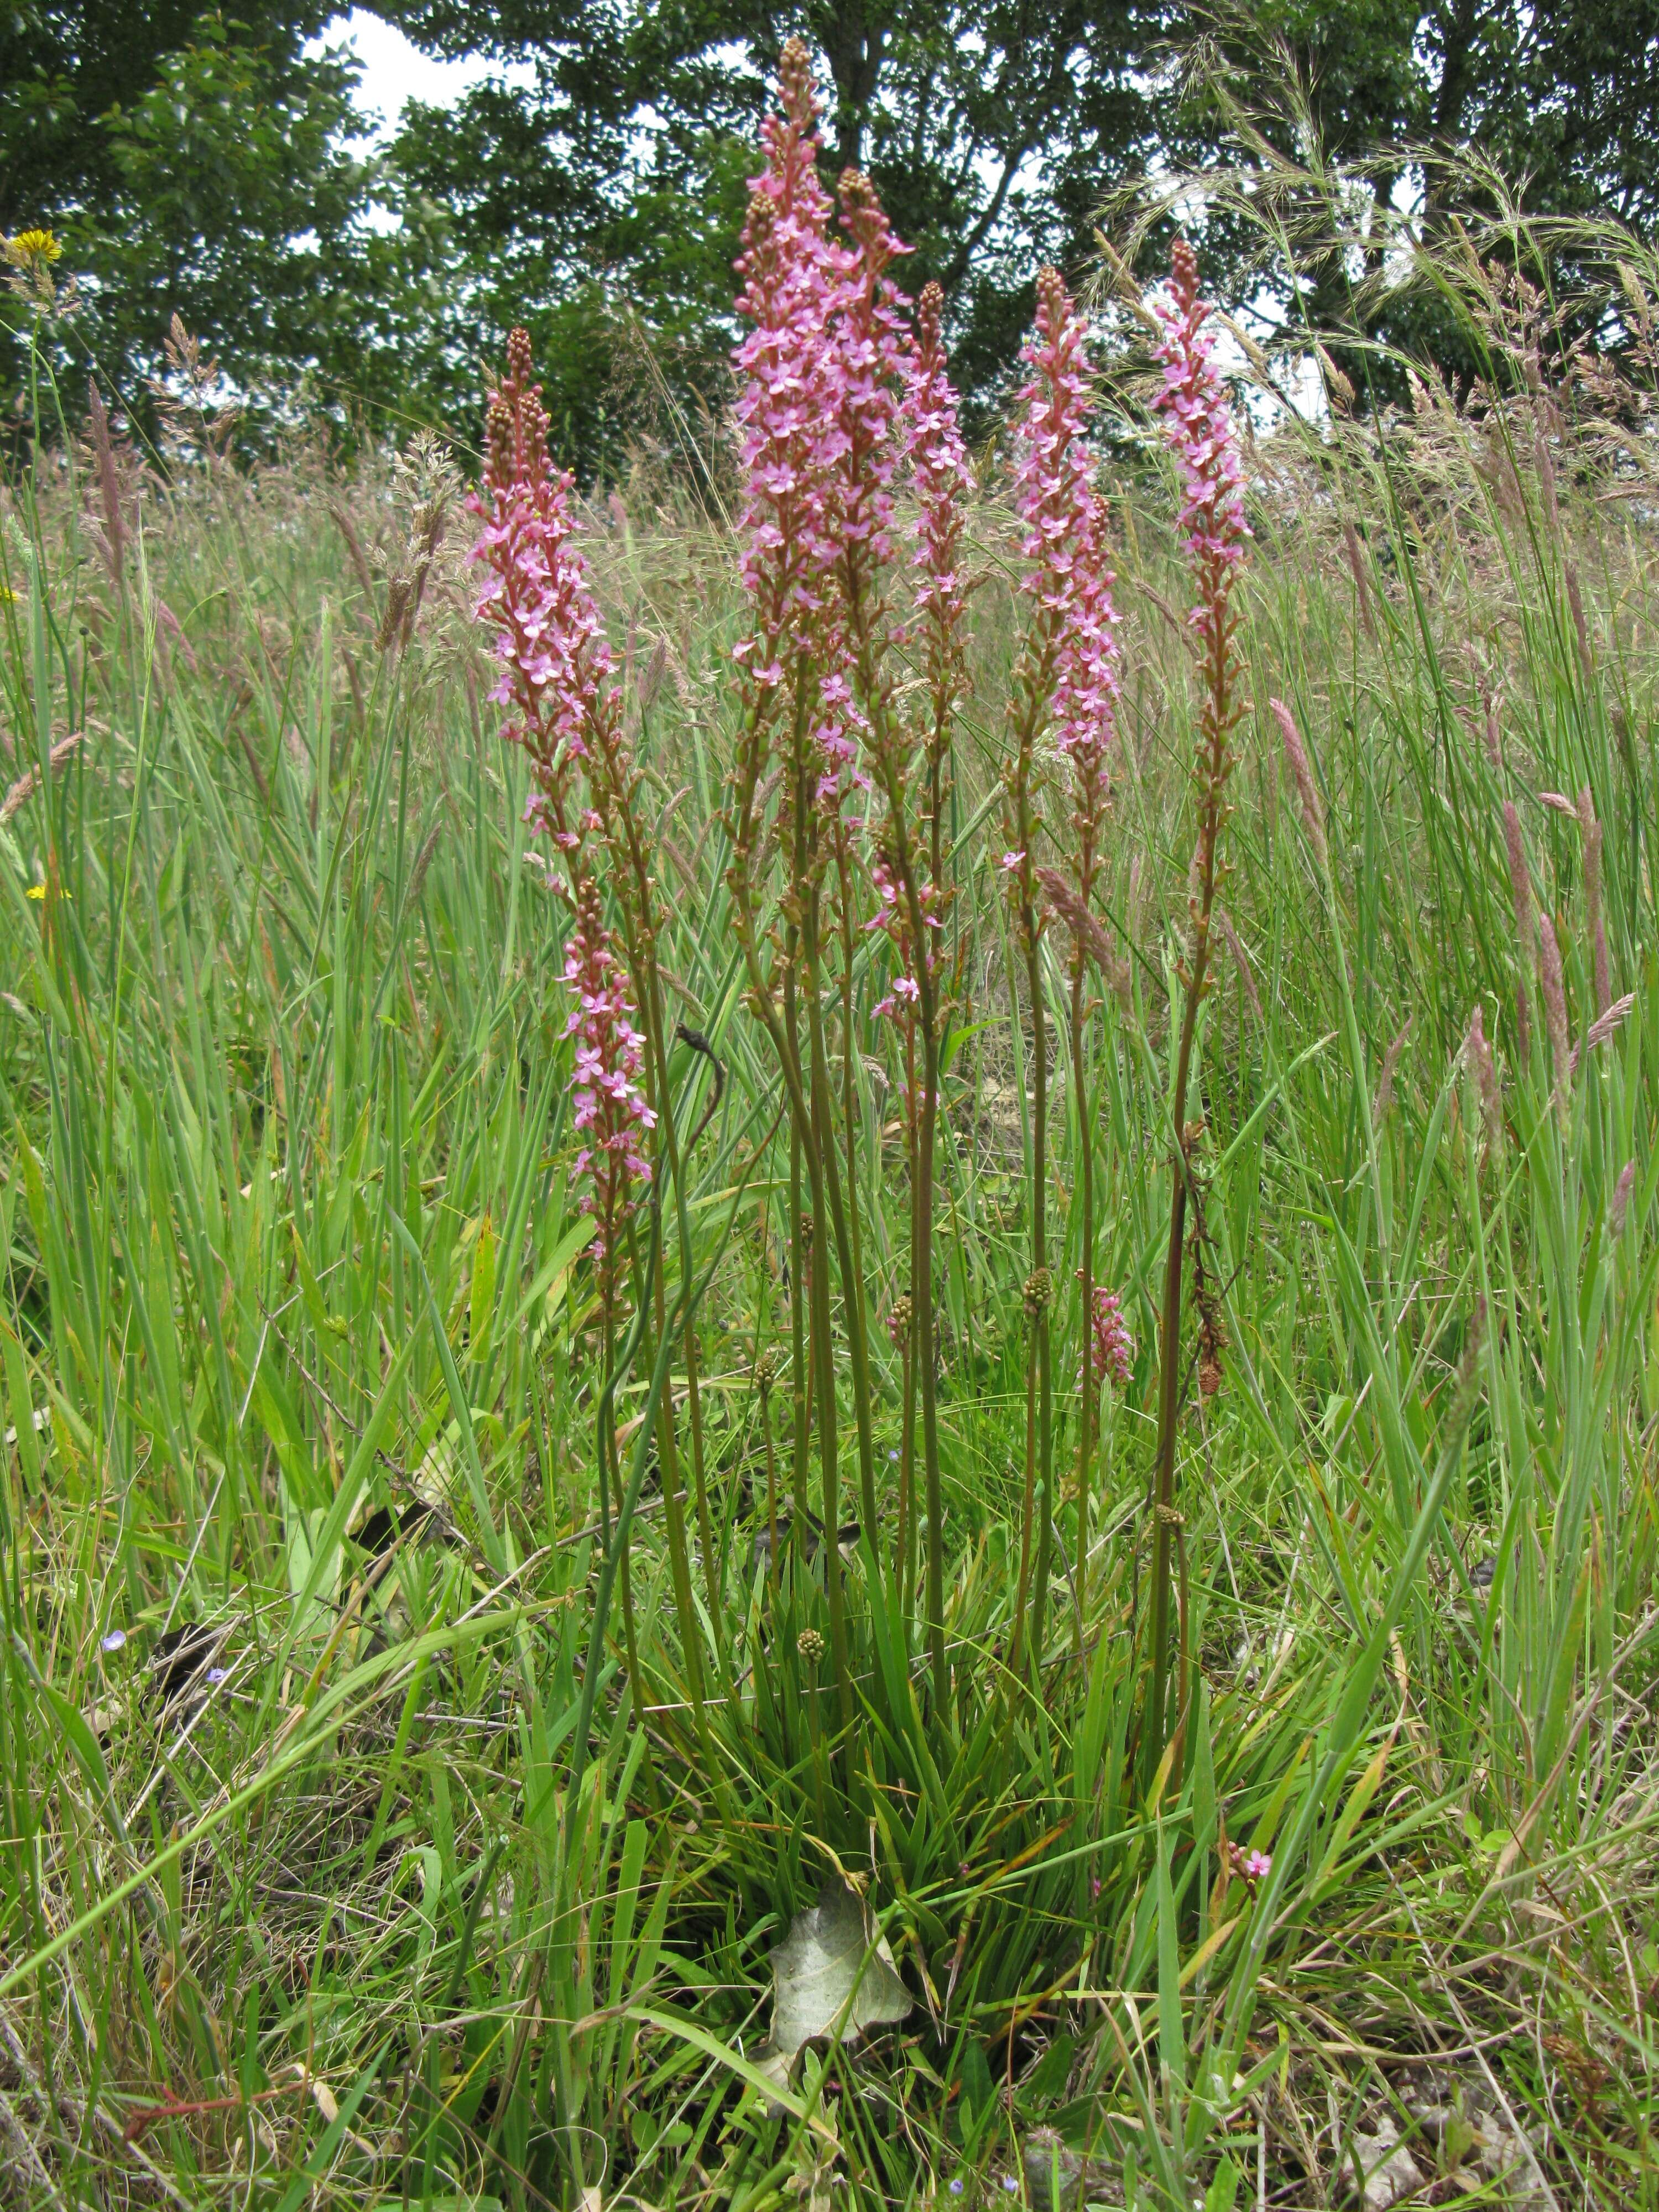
column 1064, row 544
column 939, row 466
column 548, row 638
column 1111, row 1348
column 1200, row 426
column 790, row 411
column 609, row 1106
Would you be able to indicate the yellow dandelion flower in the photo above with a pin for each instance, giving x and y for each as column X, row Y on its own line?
column 31, row 249
column 35, row 892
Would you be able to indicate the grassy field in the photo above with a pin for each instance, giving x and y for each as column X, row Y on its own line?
column 350, row 1856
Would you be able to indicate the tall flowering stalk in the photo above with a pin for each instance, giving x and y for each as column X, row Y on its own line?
column 1064, row 677
column 1198, row 425
column 815, row 434
column 910, row 761
column 871, row 347
column 789, row 277
column 613, row 777
column 1085, row 732
column 562, row 707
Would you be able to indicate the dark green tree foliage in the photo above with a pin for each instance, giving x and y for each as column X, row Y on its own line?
column 208, row 164
column 990, row 127
column 64, row 66
column 202, row 166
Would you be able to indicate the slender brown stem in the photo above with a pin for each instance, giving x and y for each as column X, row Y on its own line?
column 824, row 1349
column 1214, row 764
column 1086, row 1376
column 903, row 1568
column 624, row 1565
column 799, row 1371
column 1043, row 1299
column 926, row 1363
column 771, row 1483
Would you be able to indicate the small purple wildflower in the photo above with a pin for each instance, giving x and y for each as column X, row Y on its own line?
column 1249, row 1866
column 217, row 1675
column 115, row 1641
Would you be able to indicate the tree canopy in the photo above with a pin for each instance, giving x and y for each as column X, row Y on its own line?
column 594, row 185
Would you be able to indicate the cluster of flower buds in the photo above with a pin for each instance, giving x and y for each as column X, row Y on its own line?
column 872, row 355
column 1064, row 540
column 1111, row 1348
column 791, row 412
column 555, row 662
column 939, row 466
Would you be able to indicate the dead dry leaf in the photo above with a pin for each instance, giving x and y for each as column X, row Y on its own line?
column 833, row 1973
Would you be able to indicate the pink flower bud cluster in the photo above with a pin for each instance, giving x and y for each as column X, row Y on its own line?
column 875, row 352
column 1065, row 536
column 548, row 638
column 610, row 1111
column 1251, row 1867
column 1198, row 424
column 563, row 709
column 933, row 454
column 790, row 408
column 818, row 411
column 1111, row 1348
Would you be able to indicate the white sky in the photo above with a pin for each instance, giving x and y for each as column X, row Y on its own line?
column 395, row 71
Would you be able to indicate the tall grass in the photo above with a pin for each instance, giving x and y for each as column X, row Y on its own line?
column 455, row 1882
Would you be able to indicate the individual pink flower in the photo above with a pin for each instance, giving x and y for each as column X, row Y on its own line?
column 1251, row 1867
column 610, row 1111
column 1111, row 1348
column 1199, row 424
column 893, row 918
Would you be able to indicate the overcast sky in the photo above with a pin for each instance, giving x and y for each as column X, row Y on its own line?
column 394, row 70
